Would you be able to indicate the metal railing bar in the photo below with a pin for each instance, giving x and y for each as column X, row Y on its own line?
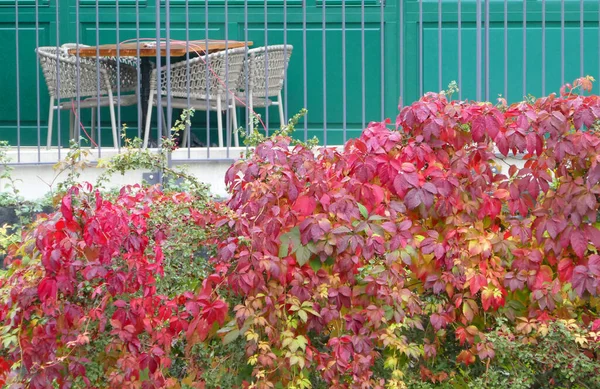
column 57, row 36
column 18, row 79
column 78, row 73
column 324, row 67
column 207, row 75
column 420, row 47
column 524, row 48
column 401, row 11
column 478, row 50
column 138, row 91
column 344, row 87
column 227, row 116
column 304, row 69
column 562, row 42
column 169, row 115
column 487, row 50
column 266, row 15
column 285, row 54
column 543, row 47
column 159, row 113
column 118, row 36
column 581, row 39
column 439, row 44
column 459, row 12
column 246, row 83
column 37, row 82
column 188, row 129
column 505, row 49
column 98, row 118
column 362, row 54
column 382, row 49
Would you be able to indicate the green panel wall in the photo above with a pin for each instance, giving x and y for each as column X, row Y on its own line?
column 63, row 13
column 515, row 42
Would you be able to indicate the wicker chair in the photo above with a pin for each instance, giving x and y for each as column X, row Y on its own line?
column 60, row 72
column 201, row 88
column 266, row 74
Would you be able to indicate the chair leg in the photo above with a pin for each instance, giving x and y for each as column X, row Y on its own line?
column 236, row 136
column 281, row 116
column 148, row 119
column 220, row 120
column 250, row 111
column 166, row 129
column 113, row 120
column 93, row 128
column 184, row 139
column 71, row 125
column 50, row 120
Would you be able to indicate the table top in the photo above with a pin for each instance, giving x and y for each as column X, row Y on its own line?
column 149, row 49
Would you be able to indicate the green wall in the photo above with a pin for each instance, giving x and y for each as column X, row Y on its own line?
column 376, row 18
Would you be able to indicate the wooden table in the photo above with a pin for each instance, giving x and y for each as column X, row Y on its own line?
column 148, row 50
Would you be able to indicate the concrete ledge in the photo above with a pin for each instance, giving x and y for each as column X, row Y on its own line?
column 36, row 174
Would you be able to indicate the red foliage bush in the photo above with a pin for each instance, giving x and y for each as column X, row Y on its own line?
column 405, row 245
column 83, row 293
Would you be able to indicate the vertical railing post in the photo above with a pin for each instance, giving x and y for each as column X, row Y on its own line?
column 382, row 62
column 98, row 118
column 581, row 42
column 543, row 47
column 478, row 50
column 37, row 82
column 401, row 86
column 439, row 44
column 159, row 112
column 207, row 75
column 188, row 129
column 420, row 48
column 324, row 67
column 459, row 6
column 18, row 77
column 304, row 68
column 118, row 35
column 506, row 49
column 524, row 48
column 344, row 87
column 562, row 42
column 266, row 15
column 487, row 50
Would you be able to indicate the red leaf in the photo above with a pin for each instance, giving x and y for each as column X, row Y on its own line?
column 579, row 243
column 492, row 126
column 477, row 282
column 594, row 265
column 305, row 205
column 47, row 289
column 478, row 128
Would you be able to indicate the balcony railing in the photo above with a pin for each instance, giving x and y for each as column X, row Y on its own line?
column 353, row 61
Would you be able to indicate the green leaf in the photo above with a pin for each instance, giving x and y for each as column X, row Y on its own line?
column 303, row 254
column 144, row 376
column 293, row 237
column 283, row 249
column 231, row 336
column 303, row 315
column 315, row 264
column 363, row 210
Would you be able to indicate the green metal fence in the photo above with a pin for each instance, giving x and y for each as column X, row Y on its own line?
column 354, row 61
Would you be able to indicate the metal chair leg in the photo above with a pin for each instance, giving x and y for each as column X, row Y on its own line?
column 50, row 122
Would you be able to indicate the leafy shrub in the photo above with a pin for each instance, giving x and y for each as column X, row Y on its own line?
column 405, row 260
column 81, row 305
column 407, row 245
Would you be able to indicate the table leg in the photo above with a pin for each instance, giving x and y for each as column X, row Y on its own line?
column 146, row 73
